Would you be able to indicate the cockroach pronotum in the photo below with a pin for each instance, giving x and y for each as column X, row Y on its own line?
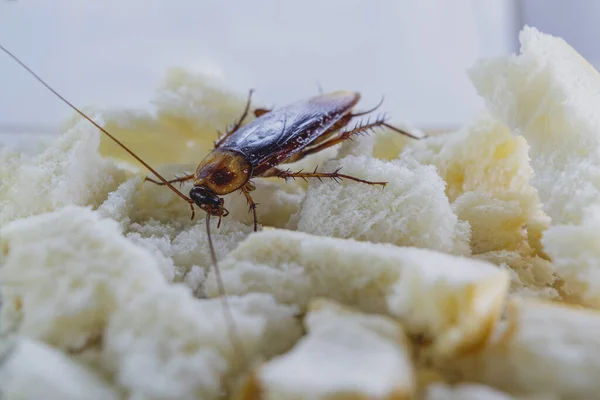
column 255, row 150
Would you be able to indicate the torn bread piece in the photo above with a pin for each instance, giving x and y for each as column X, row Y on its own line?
column 346, row 354
column 544, row 347
column 69, row 171
column 63, row 273
column 411, row 210
column 531, row 276
column 550, row 95
column 180, row 249
column 575, row 254
column 33, row 370
column 487, row 173
column 482, row 157
column 190, row 111
column 170, row 345
column 498, row 222
column 470, row 391
column 454, row 301
column 119, row 205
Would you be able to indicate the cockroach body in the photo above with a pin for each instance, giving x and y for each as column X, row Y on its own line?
column 255, row 150
column 275, row 137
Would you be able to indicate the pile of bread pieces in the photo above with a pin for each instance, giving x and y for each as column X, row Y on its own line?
column 474, row 274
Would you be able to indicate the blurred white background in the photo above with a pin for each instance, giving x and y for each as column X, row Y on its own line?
column 114, row 52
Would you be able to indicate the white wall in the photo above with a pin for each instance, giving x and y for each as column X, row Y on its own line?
column 114, row 52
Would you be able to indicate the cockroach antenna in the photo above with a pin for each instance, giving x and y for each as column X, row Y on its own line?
column 234, row 337
column 231, row 327
column 114, row 139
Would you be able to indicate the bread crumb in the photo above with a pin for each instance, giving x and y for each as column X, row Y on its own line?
column 295, row 267
column 346, row 354
column 532, row 276
column 69, row 171
column 169, row 345
column 395, row 214
column 545, row 347
column 466, row 391
column 487, row 175
column 68, row 270
column 33, row 370
column 189, row 111
column 549, row 94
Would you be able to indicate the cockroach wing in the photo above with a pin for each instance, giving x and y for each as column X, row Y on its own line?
column 277, row 135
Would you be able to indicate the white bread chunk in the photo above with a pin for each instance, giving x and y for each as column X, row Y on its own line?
column 69, row 171
column 497, row 222
column 180, row 250
column 550, row 95
column 119, row 204
column 575, row 254
column 34, row 371
column 412, row 210
column 470, row 391
column 487, row 174
column 389, row 144
column 276, row 203
column 63, row 273
column 190, row 111
column 170, row 345
column 544, row 348
column 346, row 354
column 482, row 156
column 531, row 275
column 418, row 286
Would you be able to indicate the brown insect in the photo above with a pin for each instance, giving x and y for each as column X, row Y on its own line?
column 280, row 136
column 255, row 150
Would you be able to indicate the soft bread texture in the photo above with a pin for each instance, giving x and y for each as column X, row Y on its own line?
column 190, row 110
column 365, row 212
column 531, row 276
column 103, row 276
column 33, row 370
column 345, row 354
column 64, row 273
column 80, row 285
column 465, row 391
column 170, row 345
column 69, row 171
column 550, row 95
column 544, row 348
column 452, row 300
column 487, row 174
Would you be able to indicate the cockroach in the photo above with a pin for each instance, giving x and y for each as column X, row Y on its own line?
column 255, row 150
column 275, row 137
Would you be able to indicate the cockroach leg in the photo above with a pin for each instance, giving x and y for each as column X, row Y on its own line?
column 357, row 130
column 347, row 134
column 261, row 111
column 335, row 175
column 239, row 123
column 246, row 189
column 176, row 180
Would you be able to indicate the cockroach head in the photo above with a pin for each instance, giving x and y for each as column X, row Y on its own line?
column 208, row 201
